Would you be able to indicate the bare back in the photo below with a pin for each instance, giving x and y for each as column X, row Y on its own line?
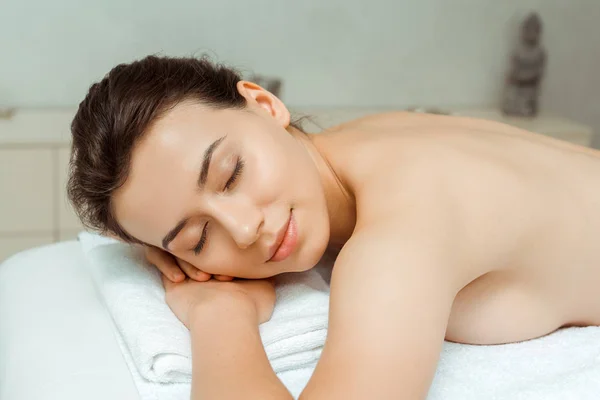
column 524, row 212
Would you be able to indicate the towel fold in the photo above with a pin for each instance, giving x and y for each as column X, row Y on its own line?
column 159, row 344
column 294, row 380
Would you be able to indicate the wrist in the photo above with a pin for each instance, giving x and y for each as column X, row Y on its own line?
column 222, row 309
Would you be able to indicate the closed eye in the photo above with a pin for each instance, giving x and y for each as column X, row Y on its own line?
column 237, row 171
column 202, row 240
column 239, row 167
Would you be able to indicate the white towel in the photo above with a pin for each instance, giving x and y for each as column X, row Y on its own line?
column 159, row 344
column 294, row 380
column 563, row 365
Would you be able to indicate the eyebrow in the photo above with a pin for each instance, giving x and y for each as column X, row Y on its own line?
column 206, row 161
column 208, row 153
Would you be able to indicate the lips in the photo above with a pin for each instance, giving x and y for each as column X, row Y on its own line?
column 286, row 240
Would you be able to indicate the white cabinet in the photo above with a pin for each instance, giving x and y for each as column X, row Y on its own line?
column 34, row 149
column 27, row 186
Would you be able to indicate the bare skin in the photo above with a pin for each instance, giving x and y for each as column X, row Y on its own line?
column 523, row 212
column 449, row 228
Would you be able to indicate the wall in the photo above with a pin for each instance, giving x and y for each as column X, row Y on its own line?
column 352, row 52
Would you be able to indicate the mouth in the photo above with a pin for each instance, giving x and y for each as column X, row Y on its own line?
column 286, row 241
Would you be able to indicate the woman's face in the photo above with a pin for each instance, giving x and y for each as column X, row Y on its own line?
column 217, row 188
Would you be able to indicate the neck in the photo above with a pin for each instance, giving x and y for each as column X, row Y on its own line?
column 341, row 204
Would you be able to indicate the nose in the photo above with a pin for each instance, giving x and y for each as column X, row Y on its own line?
column 240, row 217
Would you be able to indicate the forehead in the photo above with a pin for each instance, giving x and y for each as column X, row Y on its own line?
column 163, row 170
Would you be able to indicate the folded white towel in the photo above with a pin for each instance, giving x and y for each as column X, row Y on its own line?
column 294, row 380
column 159, row 344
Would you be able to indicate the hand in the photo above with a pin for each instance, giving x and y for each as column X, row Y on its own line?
column 175, row 269
column 186, row 299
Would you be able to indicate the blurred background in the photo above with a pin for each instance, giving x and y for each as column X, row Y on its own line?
column 335, row 60
column 327, row 52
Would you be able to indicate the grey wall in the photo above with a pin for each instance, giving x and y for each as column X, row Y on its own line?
column 329, row 52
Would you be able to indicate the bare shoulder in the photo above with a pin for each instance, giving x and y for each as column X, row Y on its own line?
column 362, row 147
column 385, row 284
column 397, row 247
column 391, row 119
column 451, row 178
column 402, row 120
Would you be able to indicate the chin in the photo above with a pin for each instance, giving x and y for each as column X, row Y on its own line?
column 309, row 251
column 312, row 255
column 302, row 267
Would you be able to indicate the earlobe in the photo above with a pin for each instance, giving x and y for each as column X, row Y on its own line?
column 256, row 95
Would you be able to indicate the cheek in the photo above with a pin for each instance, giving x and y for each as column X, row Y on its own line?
column 267, row 177
column 218, row 257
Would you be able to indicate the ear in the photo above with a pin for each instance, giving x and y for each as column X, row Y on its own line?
column 256, row 95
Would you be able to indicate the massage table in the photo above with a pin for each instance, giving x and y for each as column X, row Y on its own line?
column 56, row 340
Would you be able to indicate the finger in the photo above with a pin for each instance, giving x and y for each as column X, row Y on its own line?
column 202, row 276
column 166, row 282
column 193, row 272
column 165, row 263
column 224, row 278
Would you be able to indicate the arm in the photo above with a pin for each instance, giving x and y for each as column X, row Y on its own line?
column 228, row 358
column 390, row 302
column 229, row 361
column 391, row 296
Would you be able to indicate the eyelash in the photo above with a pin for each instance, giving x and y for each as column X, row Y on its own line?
column 239, row 167
column 202, row 241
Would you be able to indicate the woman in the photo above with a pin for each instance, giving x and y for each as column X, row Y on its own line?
column 448, row 227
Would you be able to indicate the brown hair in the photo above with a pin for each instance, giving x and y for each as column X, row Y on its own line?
column 114, row 116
